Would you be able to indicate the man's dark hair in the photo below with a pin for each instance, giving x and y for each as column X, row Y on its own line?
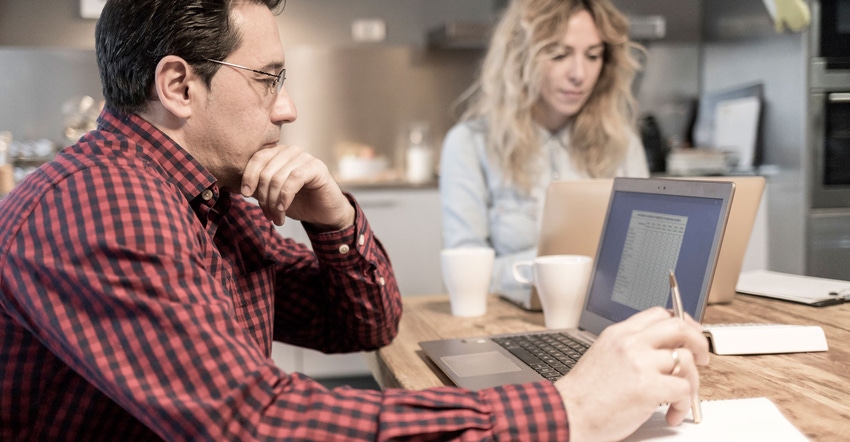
column 132, row 36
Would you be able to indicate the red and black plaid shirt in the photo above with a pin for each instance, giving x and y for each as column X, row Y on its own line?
column 138, row 302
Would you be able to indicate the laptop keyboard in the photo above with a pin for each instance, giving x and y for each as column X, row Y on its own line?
column 550, row 354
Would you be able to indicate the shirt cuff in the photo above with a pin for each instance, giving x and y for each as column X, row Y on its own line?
column 532, row 411
column 346, row 246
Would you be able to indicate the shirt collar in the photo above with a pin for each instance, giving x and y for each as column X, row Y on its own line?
column 186, row 172
column 562, row 137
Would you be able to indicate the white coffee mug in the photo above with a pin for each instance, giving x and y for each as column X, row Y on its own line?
column 561, row 283
column 466, row 275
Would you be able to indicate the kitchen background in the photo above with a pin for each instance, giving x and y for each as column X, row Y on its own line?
column 364, row 74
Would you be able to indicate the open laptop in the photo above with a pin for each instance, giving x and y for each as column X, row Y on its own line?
column 651, row 226
column 574, row 212
column 571, row 224
column 739, row 228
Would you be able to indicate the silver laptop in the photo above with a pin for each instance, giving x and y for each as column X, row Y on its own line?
column 742, row 218
column 575, row 211
column 571, row 224
column 651, row 226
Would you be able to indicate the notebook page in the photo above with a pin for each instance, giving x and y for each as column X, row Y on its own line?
column 724, row 420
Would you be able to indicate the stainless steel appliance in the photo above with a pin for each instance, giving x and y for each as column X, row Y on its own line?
column 832, row 36
column 830, row 148
column 829, row 101
column 829, row 140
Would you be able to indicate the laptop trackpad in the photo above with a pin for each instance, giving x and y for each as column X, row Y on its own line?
column 479, row 364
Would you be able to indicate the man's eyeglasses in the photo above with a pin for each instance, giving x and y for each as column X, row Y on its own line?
column 275, row 83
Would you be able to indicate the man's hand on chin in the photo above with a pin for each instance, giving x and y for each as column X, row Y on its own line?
column 287, row 181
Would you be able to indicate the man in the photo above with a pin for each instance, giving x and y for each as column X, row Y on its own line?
column 140, row 292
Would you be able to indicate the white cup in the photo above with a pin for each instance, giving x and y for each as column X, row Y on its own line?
column 466, row 274
column 561, row 283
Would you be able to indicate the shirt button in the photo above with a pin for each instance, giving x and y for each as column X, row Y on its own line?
column 361, row 240
column 207, row 195
column 381, row 280
column 343, row 249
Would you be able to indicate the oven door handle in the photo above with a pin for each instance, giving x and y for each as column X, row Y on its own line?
column 839, row 97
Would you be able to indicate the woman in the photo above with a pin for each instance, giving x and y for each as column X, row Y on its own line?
column 553, row 102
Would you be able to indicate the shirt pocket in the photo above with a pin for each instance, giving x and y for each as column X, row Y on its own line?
column 513, row 222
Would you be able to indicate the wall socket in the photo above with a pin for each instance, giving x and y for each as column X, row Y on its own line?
column 369, row 30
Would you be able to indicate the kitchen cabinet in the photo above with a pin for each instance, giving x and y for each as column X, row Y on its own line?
column 407, row 222
column 316, row 364
column 406, row 219
column 828, row 240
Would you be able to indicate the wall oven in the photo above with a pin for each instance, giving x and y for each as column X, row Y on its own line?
column 829, row 102
column 828, row 155
column 832, row 36
column 830, row 148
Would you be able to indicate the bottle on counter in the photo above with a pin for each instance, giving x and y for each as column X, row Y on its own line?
column 419, row 156
column 7, row 171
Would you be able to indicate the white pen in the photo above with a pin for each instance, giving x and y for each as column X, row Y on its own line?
column 678, row 310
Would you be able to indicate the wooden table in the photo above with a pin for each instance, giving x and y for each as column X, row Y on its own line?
column 811, row 389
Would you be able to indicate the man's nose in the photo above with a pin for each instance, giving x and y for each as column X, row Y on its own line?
column 284, row 108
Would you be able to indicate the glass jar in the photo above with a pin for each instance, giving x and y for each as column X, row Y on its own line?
column 7, row 171
column 419, row 156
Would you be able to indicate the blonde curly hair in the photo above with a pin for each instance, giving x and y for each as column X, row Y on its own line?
column 511, row 77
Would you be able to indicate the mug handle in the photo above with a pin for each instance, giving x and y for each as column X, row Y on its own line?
column 517, row 275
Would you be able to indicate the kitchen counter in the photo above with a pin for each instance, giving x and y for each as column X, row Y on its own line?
column 354, row 186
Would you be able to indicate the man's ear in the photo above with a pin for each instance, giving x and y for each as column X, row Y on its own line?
column 174, row 85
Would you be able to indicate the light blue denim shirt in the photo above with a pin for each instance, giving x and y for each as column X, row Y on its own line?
column 480, row 208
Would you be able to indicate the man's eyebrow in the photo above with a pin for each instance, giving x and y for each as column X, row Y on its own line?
column 274, row 66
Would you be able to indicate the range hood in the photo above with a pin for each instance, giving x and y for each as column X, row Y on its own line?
column 647, row 27
column 476, row 35
column 460, row 35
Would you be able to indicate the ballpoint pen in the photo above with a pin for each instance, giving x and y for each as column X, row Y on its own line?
column 678, row 310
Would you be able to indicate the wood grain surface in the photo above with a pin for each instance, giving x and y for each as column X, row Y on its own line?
column 811, row 389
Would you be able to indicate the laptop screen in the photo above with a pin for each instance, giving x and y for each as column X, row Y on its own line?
column 654, row 226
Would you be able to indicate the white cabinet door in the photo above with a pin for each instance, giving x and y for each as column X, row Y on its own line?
column 407, row 222
column 316, row 364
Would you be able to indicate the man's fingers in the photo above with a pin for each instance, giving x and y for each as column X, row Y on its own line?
column 251, row 174
column 677, row 412
column 288, row 180
column 674, row 333
column 683, row 376
column 274, row 177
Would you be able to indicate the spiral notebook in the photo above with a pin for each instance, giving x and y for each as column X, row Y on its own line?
column 724, row 420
